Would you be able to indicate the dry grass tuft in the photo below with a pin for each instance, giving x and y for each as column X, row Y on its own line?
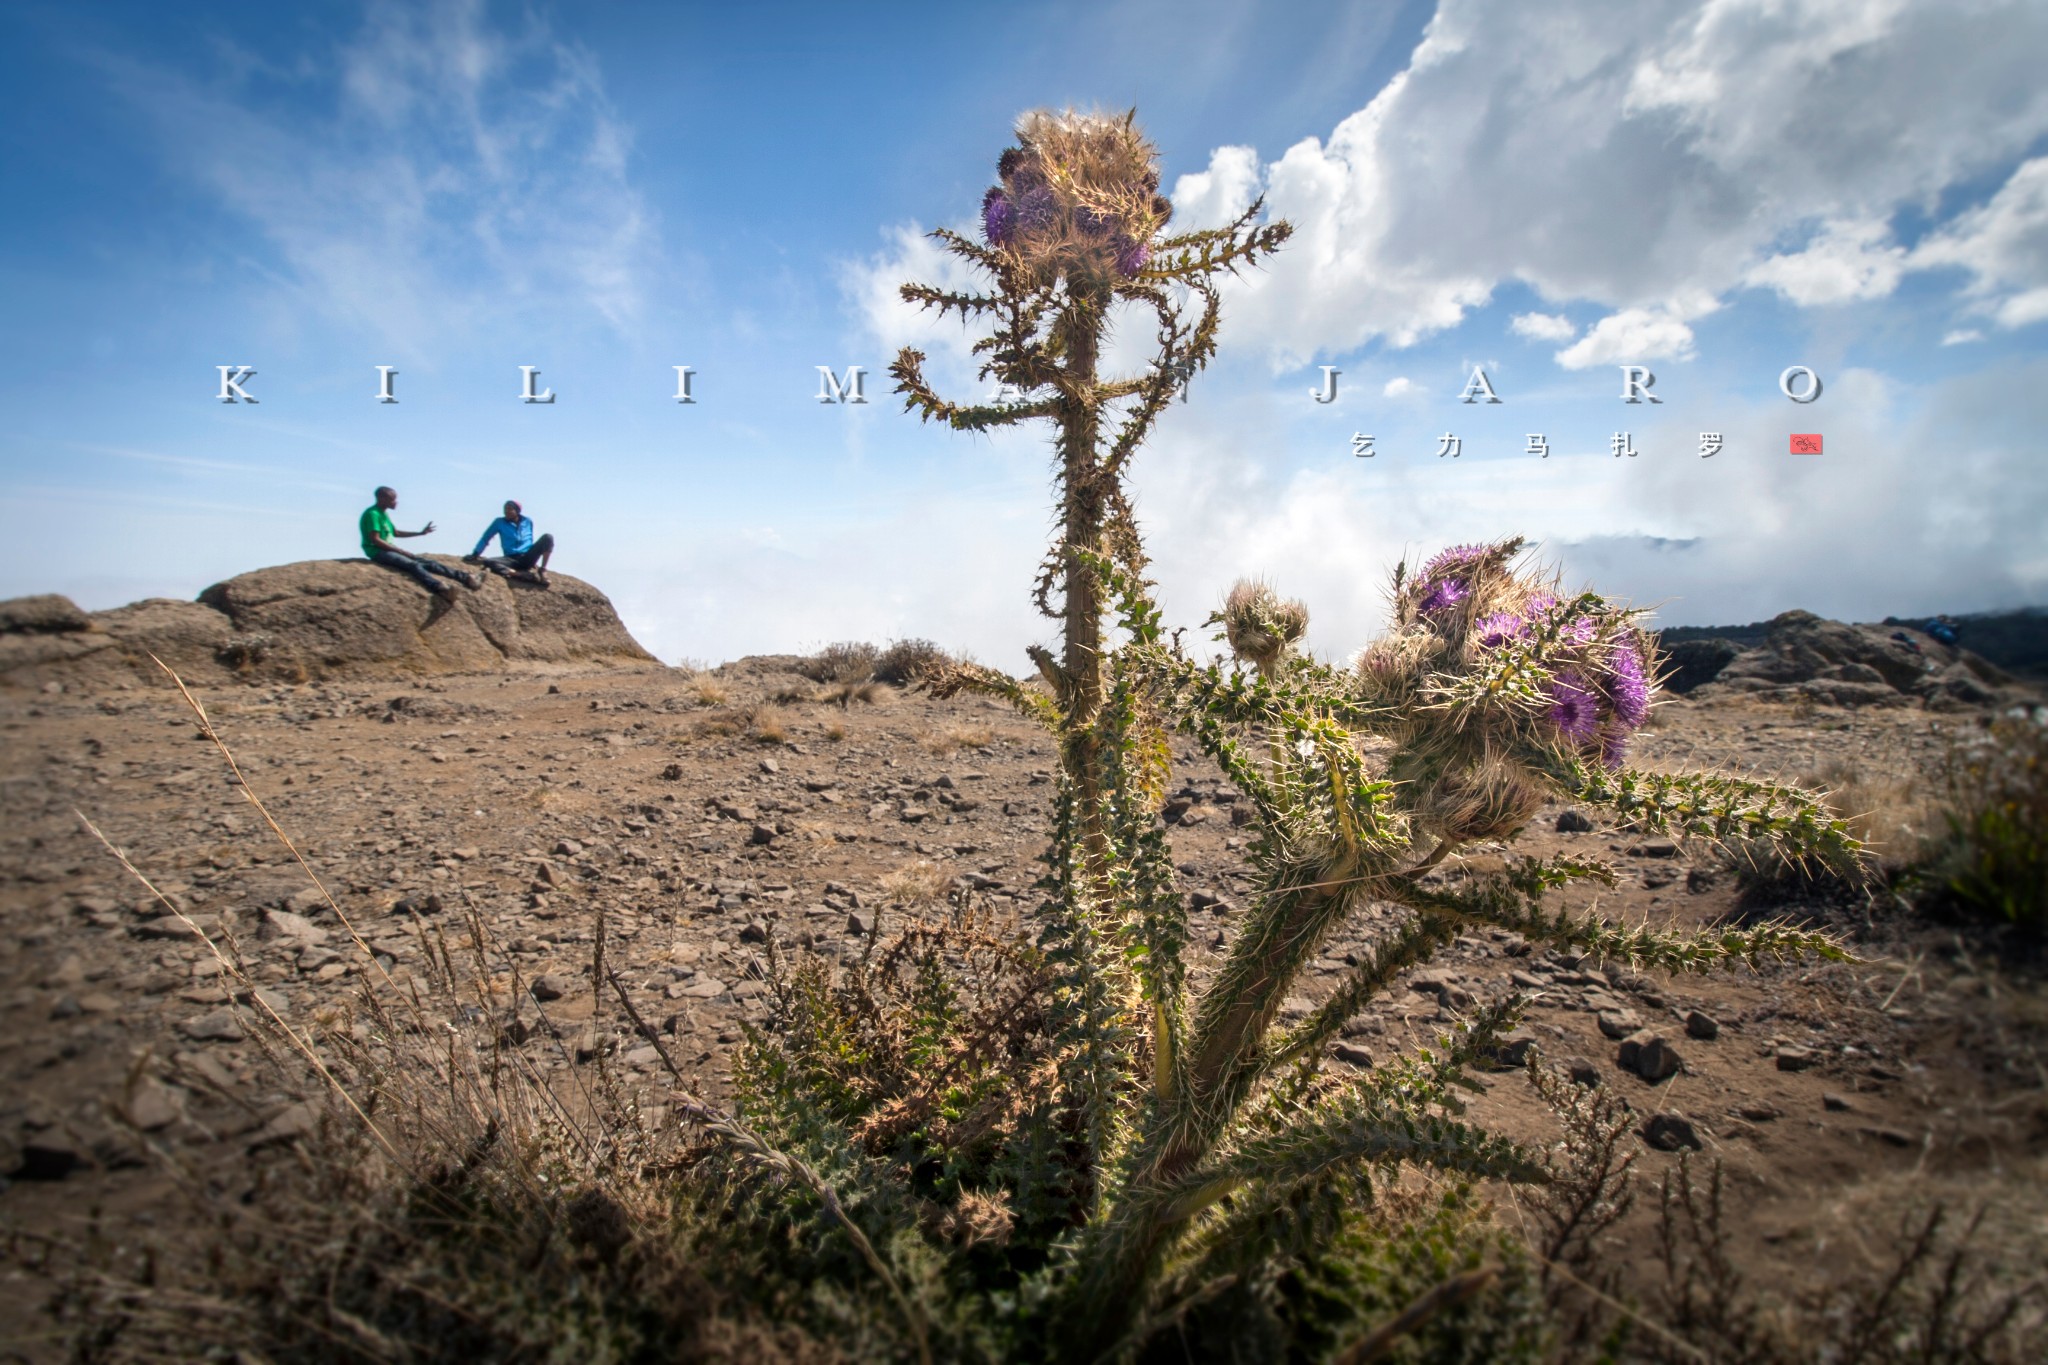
column 959, row 737
column 922, row 882
column 768, row 725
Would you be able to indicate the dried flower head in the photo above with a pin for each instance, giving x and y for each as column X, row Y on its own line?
column 1260, row 625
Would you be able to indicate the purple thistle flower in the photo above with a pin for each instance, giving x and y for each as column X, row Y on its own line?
column 1131, row 256
column 1457, row 557
column 1574, row 710
column 1447, row 593
column 1628, row 687
column 1539, row 604
column 1579, row 632
column 1614, row 749
column 997, row 216
column 1011, row 161
column 1037, row 210
column 1497, row 628
column 1094, row 222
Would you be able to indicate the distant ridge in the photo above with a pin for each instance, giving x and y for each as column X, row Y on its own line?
column 2016, row 641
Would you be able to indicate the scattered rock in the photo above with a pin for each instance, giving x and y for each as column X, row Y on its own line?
column 1834, row 1103
column 1648, row 1055
column 552, row 986
column 288, row 1125
column 1619, row 1024
column 1757, row 1112
column 1671, row 1133
column 1352, row 1054
column 1582, row 1070
column 1574, row 821
column 1702, row 1026
column 1791, row 1058
column 221, row 1026
column 1514, row 1048
column 754, row 932
column 152, row 1105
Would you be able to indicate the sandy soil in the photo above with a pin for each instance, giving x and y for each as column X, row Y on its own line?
column 1829, row 1093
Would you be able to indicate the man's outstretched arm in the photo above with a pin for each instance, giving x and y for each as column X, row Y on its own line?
column 495, row 528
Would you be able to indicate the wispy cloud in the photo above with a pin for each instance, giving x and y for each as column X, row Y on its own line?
column 437, row 173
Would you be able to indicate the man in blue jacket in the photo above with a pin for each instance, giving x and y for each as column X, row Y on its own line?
column 523, row 556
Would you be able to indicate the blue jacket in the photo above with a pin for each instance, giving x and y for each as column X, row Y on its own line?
column 514, row 537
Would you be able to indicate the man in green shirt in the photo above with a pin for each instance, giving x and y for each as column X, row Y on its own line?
column 378, row 533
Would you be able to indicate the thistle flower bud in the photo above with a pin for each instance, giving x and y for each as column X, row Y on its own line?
column 998, row 217
column 1260, row 625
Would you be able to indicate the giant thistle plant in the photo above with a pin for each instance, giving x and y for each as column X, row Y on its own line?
column 1072, row 230
column 1054, row 1145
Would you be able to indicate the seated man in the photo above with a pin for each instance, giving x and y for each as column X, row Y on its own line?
column 378, row 533
column 524, row 557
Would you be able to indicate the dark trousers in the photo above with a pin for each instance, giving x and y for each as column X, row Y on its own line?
column 526, row 559
column 423, row 571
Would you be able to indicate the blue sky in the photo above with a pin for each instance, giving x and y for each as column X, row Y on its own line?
column 1717, row 191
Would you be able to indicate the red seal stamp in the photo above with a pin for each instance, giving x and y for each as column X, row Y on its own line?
column 1806, row 445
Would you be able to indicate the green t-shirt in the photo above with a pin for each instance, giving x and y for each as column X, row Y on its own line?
column 376, row 524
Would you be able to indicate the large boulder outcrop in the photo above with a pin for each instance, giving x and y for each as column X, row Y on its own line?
column 339, row 619
column 1835, row 663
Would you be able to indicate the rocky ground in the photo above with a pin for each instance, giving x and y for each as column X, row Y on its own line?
column 700, row 814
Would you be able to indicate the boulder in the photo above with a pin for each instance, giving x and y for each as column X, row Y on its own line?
column 342, row 619
column 1835, row 663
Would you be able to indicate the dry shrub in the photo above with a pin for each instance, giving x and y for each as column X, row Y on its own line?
column 835, row 731
column 906, row 661
column 706, row 691
column 848, row 661
column 1992, row 862
column 922, row 882
column 845, row 694
column 959, row 737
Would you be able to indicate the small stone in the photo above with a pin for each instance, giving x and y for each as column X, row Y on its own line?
column 704, row 988
column 1835, row 1104
column 1701, row 880
column 285, row 924
column 568, row 848
column 1702, row 1026
column 761, row 834
column 1648, row 1055
column 1891, row 1137
column 221, row 1026
column 770, row 766
column 754, row 932
column 1352, row 1054
column 1671, row 1133
column 1619, row 1024
column 1573, row 822
column 551, row 986
column 1657, row 848
column 1759, row 1113
column 862, row 925
column 310, row 901
column 1582, row 1071
column 66, row 1006
column 467, row 853
column 300, row 1120
column 644, row 1058
column 152, row 1105
column 1514, row 1048
column 1791, row 1058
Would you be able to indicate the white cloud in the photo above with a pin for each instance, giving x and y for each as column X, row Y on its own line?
column 1641, row 158
column 1401, row 386
column 2004, row 245
column 1212, row 198
column 1543, row 326
column 1631, row 336
column 1962, row 336
column 1844, row 262
column 461, row 175
column 1724, row 540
